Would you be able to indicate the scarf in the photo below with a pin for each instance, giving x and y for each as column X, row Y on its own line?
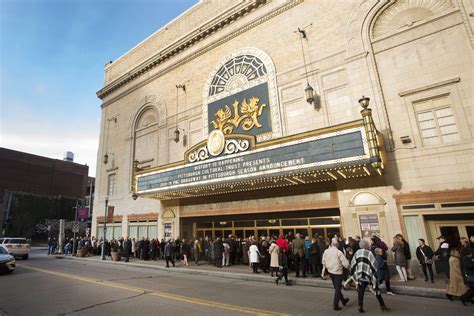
column 364, row 268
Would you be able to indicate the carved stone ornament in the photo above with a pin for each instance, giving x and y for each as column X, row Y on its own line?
column 216, row 142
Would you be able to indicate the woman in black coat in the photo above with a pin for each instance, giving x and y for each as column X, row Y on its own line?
column 425, row 255
column 283, row 263
column 467, row 268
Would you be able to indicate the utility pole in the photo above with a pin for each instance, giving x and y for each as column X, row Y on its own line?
column 74, row 242
column 105, row 228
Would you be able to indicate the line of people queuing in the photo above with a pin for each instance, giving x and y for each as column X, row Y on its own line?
column 277, row 255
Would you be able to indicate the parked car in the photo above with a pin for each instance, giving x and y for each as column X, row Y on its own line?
column 17, row 247
column 7, row 261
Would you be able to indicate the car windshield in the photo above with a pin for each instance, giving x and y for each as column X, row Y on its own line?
column 16, row 241
column 3, row 251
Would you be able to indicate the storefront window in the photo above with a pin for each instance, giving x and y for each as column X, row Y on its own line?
column 325, row 220
column 142, row 231
column 271, row 222
column 132, row 231
column 244, row 224
column 294, row 222
column 204, row 225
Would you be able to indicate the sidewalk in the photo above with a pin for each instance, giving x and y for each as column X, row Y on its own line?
column 416, row 287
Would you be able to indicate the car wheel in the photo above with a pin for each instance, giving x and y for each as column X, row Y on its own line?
column 25, row 257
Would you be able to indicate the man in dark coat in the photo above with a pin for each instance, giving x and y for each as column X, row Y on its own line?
column 169, row 253
column 443, row 253
column 127, row 249
column 299, row 252
column 218, row 250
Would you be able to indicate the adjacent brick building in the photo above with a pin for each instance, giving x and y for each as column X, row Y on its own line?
column 35, row 188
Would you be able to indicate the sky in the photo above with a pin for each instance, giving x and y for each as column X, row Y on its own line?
column 52, row 56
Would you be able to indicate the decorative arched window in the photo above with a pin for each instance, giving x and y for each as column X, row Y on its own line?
column 144, row 126
column 235, row 72
column 241, row 96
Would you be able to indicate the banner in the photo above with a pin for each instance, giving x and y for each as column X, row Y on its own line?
column 82, row 214
column 110, row 214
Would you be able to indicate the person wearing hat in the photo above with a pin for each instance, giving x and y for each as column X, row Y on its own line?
column 443, row 254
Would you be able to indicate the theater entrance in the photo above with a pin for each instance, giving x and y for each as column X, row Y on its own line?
column 323, row 223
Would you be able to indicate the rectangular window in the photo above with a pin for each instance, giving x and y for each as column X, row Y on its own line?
column 111, row 185
column 436, row 121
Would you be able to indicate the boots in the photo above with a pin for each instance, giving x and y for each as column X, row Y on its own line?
column 361, row 309
column 384, row 308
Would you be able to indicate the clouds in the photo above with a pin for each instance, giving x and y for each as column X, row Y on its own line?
column 53, row 144
column 52, row 54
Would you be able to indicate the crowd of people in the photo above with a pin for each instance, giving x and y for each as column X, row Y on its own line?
column 355, row 262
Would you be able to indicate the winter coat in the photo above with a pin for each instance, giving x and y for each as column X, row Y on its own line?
column 443, row 251
column 307, row 246
column 298, row 247
column 456, row 285
column 274, row 249
column 315, row 253
column 424, row 250
column 218, row 249
column 283, row 260
column 185, row 249
column 383, row 273
column 169, row 250
column 400, row 258
column 254, row 254
column 467, row 268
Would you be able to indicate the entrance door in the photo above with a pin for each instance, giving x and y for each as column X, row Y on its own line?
column 452, row 230
column 451, row 233
column 469, row 230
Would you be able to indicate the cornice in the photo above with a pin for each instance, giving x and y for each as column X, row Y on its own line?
column 169, row 52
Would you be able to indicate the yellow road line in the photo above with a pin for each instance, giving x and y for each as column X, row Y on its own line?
column 185, row 299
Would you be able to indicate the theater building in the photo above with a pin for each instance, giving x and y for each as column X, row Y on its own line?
column 248, row 118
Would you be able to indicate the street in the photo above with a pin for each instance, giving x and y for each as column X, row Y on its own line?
column 45, row 285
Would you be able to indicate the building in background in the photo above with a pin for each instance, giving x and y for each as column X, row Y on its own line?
column 34, row 189
column 242, row 117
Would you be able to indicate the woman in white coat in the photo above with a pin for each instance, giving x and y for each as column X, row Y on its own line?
column 273, row 250
column 254, row 256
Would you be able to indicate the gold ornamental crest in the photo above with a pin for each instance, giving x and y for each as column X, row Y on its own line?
column 216, row 142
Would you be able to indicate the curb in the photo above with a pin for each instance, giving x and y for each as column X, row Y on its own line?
column 399, row 290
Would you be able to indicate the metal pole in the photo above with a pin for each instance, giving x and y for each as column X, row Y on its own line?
column 61, row 236
column 74, row 231
column 105, row 228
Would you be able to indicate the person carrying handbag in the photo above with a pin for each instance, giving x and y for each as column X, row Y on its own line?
column 425, row 255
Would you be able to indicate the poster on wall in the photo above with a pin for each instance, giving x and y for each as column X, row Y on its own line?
column 168, row 234
column 369, row 225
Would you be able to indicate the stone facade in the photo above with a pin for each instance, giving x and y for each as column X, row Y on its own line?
column 413, row 58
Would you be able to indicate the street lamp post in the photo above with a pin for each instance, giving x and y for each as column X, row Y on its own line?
column 105, row 228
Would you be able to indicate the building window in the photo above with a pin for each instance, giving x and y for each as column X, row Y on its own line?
column 112, row 185
column 243, row 67
column 436, row 121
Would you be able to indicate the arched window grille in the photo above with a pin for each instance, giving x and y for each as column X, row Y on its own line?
column 247, row 65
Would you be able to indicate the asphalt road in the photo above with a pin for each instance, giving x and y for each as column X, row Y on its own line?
column 44, row 285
